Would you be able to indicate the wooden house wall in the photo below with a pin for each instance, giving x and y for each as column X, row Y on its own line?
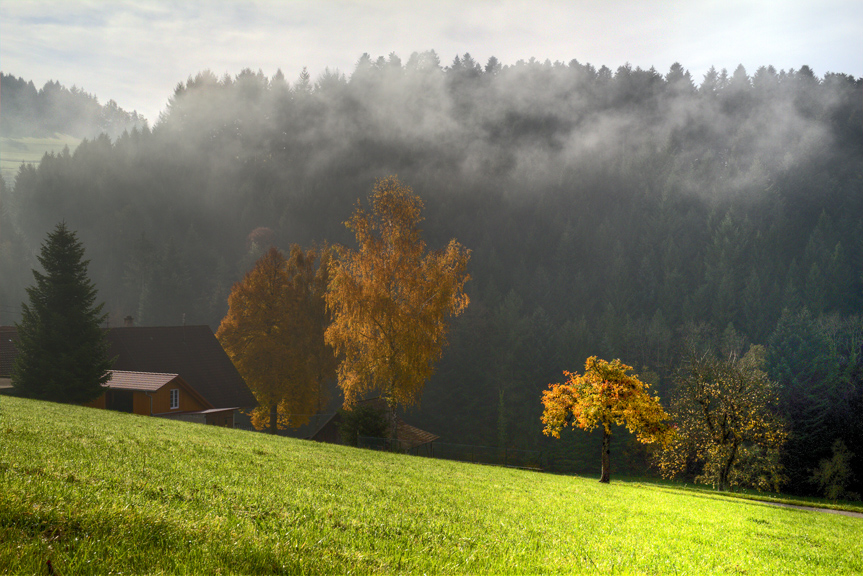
column 162, row 400
column 141, row 403
column 225, row 419
column 97, row 403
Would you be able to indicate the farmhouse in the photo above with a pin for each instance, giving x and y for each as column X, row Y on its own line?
column 192, row 352
column 179, row 372
column 165, row 395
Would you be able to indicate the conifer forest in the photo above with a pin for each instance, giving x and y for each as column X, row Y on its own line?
column 608, row 212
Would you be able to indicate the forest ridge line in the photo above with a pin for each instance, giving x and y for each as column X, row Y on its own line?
column 605, row 210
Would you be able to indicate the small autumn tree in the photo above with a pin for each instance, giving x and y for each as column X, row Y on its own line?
column 728, row 430
column 390, row 299
column 274, row 334
column 605, row 395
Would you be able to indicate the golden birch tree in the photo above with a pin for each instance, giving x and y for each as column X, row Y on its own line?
column 274, row 334
column 605, row 395
column 390, row 299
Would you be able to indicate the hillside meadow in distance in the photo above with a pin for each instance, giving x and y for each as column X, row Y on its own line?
column 685, row 226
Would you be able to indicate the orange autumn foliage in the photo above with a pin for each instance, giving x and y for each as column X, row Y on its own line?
column 274, row 334
column 605, row 395
column 390, row 299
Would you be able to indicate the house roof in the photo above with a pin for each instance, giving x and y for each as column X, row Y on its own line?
column 147, row 381
column 151, row 382
column 409, row 437
column 215, row 410
column 190, row 351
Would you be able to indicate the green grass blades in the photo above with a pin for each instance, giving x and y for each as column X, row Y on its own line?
column 98, row 492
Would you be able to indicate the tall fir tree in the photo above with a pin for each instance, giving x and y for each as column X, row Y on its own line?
column 62, row 350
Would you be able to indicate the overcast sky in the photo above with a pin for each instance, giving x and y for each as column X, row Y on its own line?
column 135, row 52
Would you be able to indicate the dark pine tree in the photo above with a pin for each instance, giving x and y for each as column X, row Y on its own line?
column 62, row 350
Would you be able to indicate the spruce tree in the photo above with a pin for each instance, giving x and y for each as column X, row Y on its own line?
column 62, row 350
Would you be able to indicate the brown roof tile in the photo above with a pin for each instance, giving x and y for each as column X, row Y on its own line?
column 149, row 381
column 411, row 437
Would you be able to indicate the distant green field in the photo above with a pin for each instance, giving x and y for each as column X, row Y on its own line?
column 99, row 492
column 14, row 151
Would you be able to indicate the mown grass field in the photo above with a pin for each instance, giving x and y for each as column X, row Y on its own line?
column 107, row 493
column 14, row 151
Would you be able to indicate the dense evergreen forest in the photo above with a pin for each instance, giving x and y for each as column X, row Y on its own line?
column 607, row 211
column 57, row 109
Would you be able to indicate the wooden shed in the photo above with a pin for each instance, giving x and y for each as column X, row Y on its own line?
column 158, row 394
column 410, row 438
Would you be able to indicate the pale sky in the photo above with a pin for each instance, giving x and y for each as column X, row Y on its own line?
column 136, row 51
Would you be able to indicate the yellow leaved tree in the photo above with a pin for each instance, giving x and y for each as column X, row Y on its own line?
column 728, row 423
column 274, row 334
column 390, row 299
column 605, row 394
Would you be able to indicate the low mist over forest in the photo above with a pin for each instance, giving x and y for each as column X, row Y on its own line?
column 607, row 210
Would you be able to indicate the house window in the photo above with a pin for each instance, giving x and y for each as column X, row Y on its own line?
column 175, row 398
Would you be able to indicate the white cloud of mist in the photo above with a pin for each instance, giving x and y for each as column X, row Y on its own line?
column 136, row 52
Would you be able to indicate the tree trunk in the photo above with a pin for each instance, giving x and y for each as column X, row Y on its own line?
column 606, row 457
column 394, row 428
column 274, row 419
column 725, row 471
column 391, row 405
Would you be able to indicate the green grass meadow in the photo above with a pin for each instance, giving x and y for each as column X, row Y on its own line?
column 99, row 492
column 15, row 151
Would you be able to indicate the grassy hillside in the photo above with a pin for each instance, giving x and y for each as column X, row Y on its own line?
column 100, row 492
column 14, row 151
